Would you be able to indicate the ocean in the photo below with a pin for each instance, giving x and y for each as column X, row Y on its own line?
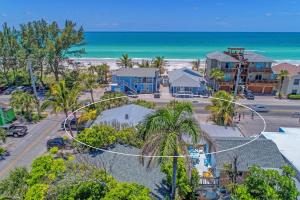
column 189, row 45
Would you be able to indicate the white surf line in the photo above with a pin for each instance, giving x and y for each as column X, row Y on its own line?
column 179, row 156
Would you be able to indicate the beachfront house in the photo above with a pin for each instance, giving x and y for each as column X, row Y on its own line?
column 124, row 116
column 291, row 83
column 244, row 154
column 186, row 82
column 256, row 70
column 135, row 80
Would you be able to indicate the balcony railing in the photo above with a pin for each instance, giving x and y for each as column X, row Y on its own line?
column 263, row 81
column 255, row 69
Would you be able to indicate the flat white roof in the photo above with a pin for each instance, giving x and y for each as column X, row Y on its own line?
column 287, row 141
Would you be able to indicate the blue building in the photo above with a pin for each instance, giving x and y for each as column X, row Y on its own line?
column 186, row 82
column 135, row 80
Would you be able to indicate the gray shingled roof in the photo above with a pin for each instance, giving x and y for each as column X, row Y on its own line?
column 261, row 152
column 254, row 57
column 215, row 131
column 134, row 112
column 135, row 72
column 129, row 169
column 220, row 56
column 181, row 78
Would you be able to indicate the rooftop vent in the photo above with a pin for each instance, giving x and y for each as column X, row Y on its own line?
column 126, row 116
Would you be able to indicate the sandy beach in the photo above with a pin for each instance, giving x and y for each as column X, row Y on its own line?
column 112, row 62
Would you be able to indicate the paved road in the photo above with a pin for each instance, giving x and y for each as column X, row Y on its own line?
column 24, row 150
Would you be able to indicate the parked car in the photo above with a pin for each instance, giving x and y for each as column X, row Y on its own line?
column 259, row 108
column 247, row 91
column 72, row 123
column 15, row 130
column 133, row 96
column 56, row 142
column 296, row 115
column 2, row 89
column 157, row 95
column 9, row 90
column 250, row 96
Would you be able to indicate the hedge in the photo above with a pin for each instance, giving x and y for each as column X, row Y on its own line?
column 294, row 96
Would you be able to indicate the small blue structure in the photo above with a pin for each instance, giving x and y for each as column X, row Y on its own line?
column 186, row 82
column 135, row 80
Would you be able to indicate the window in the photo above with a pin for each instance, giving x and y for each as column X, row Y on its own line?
column 294, row 91
column 296, row 81
column 258, row 77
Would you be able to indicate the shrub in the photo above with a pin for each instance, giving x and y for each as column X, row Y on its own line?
column 294, row 96
column 147, row 104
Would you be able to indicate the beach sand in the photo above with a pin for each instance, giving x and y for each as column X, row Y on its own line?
column 171, row 63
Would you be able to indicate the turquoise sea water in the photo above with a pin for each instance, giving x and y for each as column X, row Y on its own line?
column 189, row 45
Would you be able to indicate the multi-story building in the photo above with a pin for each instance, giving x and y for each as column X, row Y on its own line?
column 291, row 83
column 256, row 70
column 135, row 80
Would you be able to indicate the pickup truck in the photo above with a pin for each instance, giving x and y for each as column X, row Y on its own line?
column 15, row 130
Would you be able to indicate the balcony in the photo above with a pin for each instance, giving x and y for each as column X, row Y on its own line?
column 263, row 81
column 255, row 69
column 223, row 69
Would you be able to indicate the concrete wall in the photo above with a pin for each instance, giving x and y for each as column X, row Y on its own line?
column 290, row 87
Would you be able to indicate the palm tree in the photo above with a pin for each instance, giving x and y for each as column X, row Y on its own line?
column 103, row 71
column 89, row 82
column 2, row 135
column 125, row 61
column 62, row 99
column 145, row 64
column 163, row 132
column 216, row 75
column 23, row 102
column 159, row 62
column 196, row 65
column 222, row 108
column 281, row 76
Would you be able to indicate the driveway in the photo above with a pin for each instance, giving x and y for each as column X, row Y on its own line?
column 25, row 149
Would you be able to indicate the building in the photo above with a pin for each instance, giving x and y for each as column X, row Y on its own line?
column 186, row 82
column 129, row 169
column 256, row 70
column 123, row 116
column 287, row 141
column 291, row 84
column 7, row 115
column 260, row 152
column 135, row 80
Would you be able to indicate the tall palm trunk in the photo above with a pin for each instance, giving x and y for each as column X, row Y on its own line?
column 92, row 95
column 173, row 193
column 280, row 88
column 69, row 122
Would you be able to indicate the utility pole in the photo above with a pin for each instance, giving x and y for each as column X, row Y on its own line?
column 33, row 79
column 237, row 78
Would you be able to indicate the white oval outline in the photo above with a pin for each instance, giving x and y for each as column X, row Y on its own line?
column 179, row 156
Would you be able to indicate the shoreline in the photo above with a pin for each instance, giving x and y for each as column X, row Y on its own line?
column 171, row 63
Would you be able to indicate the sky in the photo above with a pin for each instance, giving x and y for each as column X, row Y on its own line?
column 160, row 15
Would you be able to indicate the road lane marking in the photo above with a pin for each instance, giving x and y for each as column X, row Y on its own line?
column 27, row 148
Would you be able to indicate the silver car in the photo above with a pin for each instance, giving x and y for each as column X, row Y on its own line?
column 259, row 108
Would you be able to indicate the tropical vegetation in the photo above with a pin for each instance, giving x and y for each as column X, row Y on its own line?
column 217, row 75
column 268, row 184
column 163, row 132
column 23, row 104
column 144, row 103
column 57, row 178
column 281, row 76
column 222, row 108
column 125, row 61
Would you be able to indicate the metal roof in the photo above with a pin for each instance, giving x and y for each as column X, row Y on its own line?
column 220, row 56
column 136, row 72
column 215, row 131
column 261, row 152
column 130, row 115
column 287, row 141
column 185, row 77
column 254, row 57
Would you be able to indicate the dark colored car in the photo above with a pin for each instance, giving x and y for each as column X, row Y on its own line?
column 250, row 96
column 157, row 95
column 15, row 130
column 9, row 90
column 3, row 153
column 56, row 142
column 72, row 123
